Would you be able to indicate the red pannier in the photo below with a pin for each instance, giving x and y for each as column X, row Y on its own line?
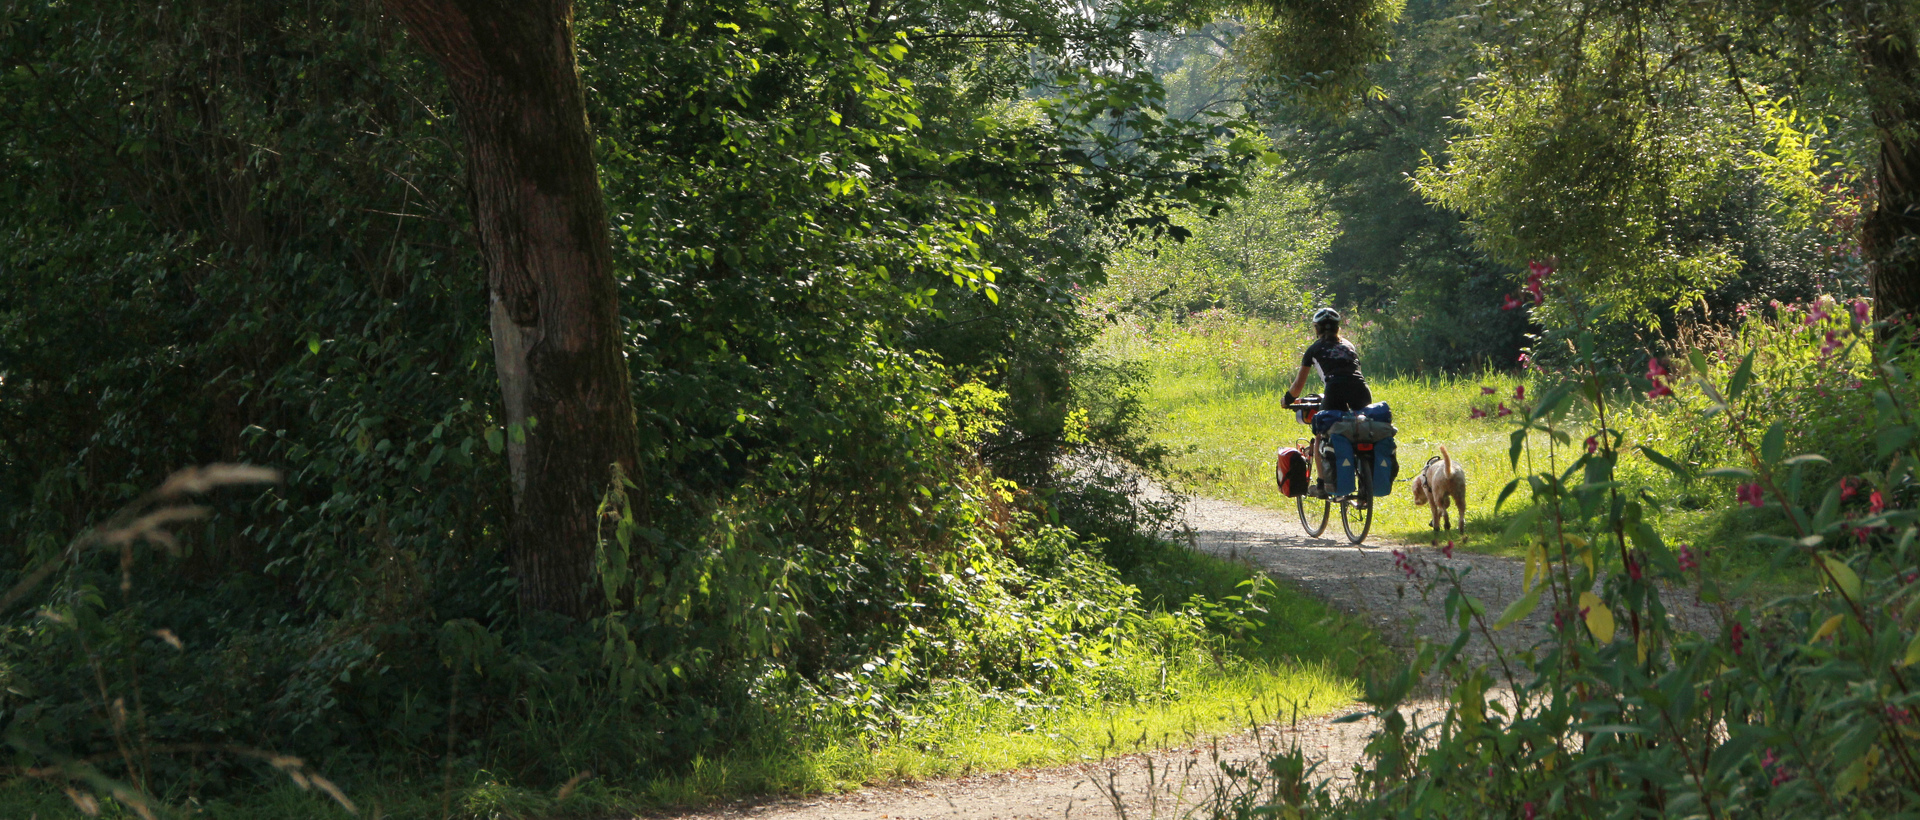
column 1292, row 471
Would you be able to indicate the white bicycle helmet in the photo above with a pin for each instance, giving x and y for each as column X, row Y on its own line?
column 1325, row 315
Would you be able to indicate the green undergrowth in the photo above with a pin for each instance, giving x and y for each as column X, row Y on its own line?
column 1269, row 654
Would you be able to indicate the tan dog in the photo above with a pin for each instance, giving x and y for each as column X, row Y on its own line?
column 1442, row 481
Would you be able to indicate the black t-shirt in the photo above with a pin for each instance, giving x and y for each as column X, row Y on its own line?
column 1336, row 360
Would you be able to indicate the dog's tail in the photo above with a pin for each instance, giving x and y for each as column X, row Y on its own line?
column 1446, row 461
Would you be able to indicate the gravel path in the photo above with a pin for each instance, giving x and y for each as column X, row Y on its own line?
column 1368, row 581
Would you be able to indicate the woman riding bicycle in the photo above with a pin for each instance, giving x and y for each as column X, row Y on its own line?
column 1338, row 363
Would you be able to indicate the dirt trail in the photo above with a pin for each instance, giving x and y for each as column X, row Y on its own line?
column 1369, row 581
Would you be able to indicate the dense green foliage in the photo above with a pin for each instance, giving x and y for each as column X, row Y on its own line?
column 847, row 248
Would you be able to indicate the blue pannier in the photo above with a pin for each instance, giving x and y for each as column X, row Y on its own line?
column 1343, row 464
column 1386, row 467
column 1379, row 411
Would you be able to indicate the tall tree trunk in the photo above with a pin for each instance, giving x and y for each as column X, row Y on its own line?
column 544, row 237
column 1890, row 235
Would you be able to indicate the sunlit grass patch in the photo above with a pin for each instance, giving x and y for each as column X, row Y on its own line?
column 1216, row 389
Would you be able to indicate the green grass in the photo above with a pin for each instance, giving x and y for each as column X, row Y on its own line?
column 1215, row 389
column 1298, row 659
column 1215, row 393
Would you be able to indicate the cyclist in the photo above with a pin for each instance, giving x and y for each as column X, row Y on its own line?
column 1338, row 363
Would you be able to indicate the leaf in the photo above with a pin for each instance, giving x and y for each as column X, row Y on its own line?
column 1521, row 607
column 1519, row 443
column 1841, row 575
column 1893, row 438
column 1504, row 492
column 1671, row 466
column 1728, row 472
column 1742, row 376
column 1599, row 617
column 1827, row 628
column 1807, row 458
column 1774, row 444
column 1913, row 651
column 1536, row 560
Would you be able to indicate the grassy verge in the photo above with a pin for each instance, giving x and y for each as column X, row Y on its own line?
column 1290, row 658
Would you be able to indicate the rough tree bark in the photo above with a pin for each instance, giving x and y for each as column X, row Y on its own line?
column 542, row 225
column 1890, row 234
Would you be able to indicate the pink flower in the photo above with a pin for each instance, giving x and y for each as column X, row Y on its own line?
column 1539, row 297
column 1654, row 370
column 1877, row 502
column 1404, row 563
column 1750, row 493
column 1816, row 313
column 1633, row 568
column 1848, row 488
column 1526, row 810
column 1833, row 343
column 1447, row 550
column 1687, row 563
column 1737, row 638
column 1593, row 443
column 1487, row 391
column 1899, row 715
column 1477, row 414
column 1659, row 389
column 1503, row 411
column 1862, row 311
column 1520, row 392
column 1741, row 311
column 1537, row 270
column 1511, row 303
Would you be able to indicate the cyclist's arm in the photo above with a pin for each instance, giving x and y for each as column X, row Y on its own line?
column 1299, row 383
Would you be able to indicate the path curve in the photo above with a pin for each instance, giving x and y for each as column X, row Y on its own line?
column 1369, row 581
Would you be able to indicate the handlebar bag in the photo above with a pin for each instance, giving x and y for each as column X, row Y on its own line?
column 1292, row 471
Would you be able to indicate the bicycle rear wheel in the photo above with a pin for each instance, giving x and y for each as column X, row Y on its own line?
column 1306, row 521
column 1356, row 513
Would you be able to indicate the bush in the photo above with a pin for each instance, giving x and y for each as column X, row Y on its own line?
column 1801, row 707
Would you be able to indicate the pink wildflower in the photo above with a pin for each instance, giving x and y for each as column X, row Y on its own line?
column 1593, row 443
column 1633, row 568
column 1477, row 414
column 1654, row 370
column 1899, row 715
column 1749, row 493
column 1877, row 502
column 1520, row 392
column 1503, row 411
column 1737, row 637
column 1848, row 488
column 1659, row 389
column 1404, row 563
column 1833, row 344
column 1816, row 313
column 1687, row 562
column 1511, row 303
column 1526, row 810
column 1487, row 391
column 1862, row 311
column 1447, row 550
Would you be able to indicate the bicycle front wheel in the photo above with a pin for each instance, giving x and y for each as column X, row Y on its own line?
column 1307, row 521
column 1356, row 513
